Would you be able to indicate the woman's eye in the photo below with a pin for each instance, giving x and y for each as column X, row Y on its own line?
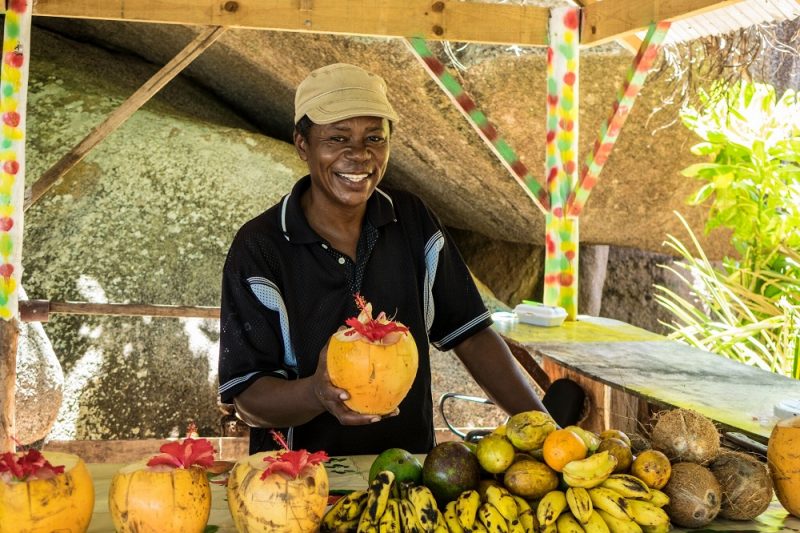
column 338, row 139
column 376, row 139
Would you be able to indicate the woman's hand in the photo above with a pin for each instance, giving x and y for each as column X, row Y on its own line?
column 332, row 398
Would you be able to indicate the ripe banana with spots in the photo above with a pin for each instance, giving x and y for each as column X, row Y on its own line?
column 426, row 511
column 408, row 517
column 390, row 521
column 646, row 514
column 503, row 501
column 467, row 505
column 492, row 519
column 378, row 496
column 611, row 502
column 345, row 513
column 567, row 523
column 627, row 485
column 451, row 518
column 589, row 472
column 441, row 525
column 658, row 498
column 549, row 528
column 595, row 524
column 663, row 528
column 580, row 504
column 527, row 518
column 550, row 507
column 618, row 525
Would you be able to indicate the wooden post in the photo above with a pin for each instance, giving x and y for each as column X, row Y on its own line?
column 9, row 335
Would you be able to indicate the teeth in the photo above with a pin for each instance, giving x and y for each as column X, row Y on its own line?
column 354, row 177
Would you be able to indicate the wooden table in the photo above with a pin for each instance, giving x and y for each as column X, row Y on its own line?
column 350, row 473
column 623, row 367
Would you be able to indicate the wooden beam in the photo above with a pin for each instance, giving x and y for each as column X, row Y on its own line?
column 88, row 308
column 611, row 19
column 9, row 336
column 631, row 43
column 118, row 117
column 433, row 20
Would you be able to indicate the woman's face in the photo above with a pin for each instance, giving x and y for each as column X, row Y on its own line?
column 346, row 159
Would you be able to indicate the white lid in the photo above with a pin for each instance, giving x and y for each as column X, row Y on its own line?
column 543, row 311
column 787, row 408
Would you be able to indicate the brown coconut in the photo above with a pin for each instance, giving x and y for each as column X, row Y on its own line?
column 694, row 493
column 685, row 436
column 746, row 485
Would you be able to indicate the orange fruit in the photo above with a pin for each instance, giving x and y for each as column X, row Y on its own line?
column 652, row 467
column 562, row 446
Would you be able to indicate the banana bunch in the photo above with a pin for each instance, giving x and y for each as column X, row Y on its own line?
column 385, row 507
column 620, row 503
column 589, row 472
column 497, row 512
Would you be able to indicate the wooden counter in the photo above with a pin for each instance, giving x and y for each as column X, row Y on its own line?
column 350, row 473
column 605, row 354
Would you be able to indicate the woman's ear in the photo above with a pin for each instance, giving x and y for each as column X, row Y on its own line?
column 301, row 145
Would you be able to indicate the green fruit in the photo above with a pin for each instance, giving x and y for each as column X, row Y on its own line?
column 495, row 453
column 404, row 466
column 450, row 469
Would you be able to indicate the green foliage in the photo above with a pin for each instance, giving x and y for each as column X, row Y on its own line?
column 749, row 309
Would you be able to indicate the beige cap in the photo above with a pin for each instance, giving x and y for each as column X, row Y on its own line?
column 339, row 91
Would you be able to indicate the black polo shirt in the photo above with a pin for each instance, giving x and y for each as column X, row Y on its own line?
column 285, row 290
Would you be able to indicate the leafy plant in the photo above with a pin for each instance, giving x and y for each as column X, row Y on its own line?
column 748, row 308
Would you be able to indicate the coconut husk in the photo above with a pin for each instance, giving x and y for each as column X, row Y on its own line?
column 685, row 436
column 745, row 482
column 695, row 495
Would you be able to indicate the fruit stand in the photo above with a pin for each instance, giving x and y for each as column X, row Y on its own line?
column 350, row 473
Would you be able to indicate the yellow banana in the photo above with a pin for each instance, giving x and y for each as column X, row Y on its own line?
column 663, row 528
column 567, row 523
column 550, row 528
column 515, row 526
column 550, row 506
column 526, row 516
column 611, row 502
column 595, row 524
column 390, row 521
column 627, row 485
column 365, row 525
column 378, row 495
column 342, row 527
column 427, row 513
column 647, row 514
column 579, row 503
column 478, row 527
column 658, row 498
column 408, row 516
column 503, row 501
column 346, row 510
column 451, row 518
column 441, row 525
column 492, row 519
column 522, row 503
column 467, row 505
column 589, row 472
column 616, row 525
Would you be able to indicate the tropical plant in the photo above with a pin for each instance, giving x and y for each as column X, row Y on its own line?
column 749, row 307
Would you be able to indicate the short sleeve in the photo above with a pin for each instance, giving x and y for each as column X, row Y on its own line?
column 251, row 343
column 455, row 303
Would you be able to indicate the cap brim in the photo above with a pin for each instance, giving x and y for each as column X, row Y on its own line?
column 337, row 110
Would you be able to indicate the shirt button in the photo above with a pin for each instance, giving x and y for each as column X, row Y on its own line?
column 341, row 260
column 325, row 246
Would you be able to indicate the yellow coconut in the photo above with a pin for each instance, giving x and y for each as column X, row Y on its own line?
column 63, row 503
column 278, row 503
column 159, row 499
column 783, row 456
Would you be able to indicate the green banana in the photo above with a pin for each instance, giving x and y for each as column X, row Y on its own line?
column 467, row 505
column 589, row 472
column 595, row 524
column 492, row 519
column 451, row 518
column 611, row 502
column 567, row 523
column 627, row 485
column 617, row 525
column 426, row 511
column 550, row 506
column 579, row 503
column 503, row 501
column 658, row 498
column 378, row 495
column 647, row 514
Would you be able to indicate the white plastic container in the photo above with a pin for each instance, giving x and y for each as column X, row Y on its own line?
column 787, row 409
column 540, row 315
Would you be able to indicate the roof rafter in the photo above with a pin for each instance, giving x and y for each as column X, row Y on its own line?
column 438, row 20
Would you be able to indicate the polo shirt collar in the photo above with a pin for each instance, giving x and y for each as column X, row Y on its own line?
column 295, row 227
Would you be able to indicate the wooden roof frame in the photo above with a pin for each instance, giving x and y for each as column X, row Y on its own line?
column 450, row 20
